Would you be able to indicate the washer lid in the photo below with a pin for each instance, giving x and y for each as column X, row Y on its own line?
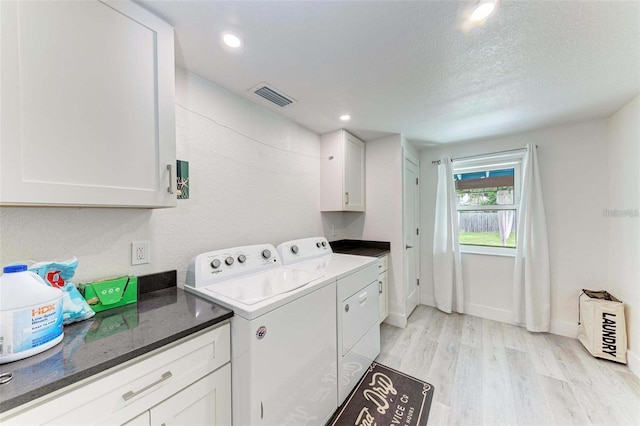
column 255, row 288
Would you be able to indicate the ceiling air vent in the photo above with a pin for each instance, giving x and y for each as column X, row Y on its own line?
column 272, row 95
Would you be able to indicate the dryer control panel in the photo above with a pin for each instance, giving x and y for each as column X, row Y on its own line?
column 221, row 265
column 303, row 249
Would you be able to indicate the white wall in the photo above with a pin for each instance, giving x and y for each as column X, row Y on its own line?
column 382, row 220
column 624, row 231
column 575, row 184
column 241, row 193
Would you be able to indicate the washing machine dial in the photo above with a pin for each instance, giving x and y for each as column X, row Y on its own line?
column 229, row 261
column 215, row 263
column 324, row 244
column 294, row 249
column 242, row 258
column 318, row 244
column 266, row 253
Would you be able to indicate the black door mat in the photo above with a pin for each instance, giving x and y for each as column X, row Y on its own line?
column 386, row 397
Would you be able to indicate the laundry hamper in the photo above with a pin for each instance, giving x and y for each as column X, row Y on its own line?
column 601, row 325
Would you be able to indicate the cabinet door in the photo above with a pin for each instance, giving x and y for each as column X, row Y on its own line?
column 87, row 105
column 207, row 402
column 143, row 419
column 383, row 288
column 354, row 173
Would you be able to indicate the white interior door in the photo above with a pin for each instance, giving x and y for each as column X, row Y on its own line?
column 411, row 249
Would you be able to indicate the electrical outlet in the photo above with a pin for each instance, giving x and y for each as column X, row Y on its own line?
column 140, row 252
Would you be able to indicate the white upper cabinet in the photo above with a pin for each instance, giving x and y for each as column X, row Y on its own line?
column 88, row 105
column 342, row 171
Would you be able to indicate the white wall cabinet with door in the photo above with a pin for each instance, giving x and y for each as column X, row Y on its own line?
column 187, row 383
column 383, row 283
column 342, row 172
column 87, row 105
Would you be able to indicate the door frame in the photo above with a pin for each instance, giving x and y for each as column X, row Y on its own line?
column 408, row 156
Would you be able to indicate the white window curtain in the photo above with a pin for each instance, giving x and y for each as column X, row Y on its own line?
column 505, row 217
column 447, row 262
column 531, row 276
column 505, row 223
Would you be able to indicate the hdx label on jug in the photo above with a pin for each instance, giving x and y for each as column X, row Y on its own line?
column 27, row 328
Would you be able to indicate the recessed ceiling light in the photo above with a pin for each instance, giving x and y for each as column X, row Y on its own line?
column 483, row 10
column 232, row 40
column 345, row 117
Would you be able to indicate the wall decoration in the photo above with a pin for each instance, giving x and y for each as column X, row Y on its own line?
column 182, row 176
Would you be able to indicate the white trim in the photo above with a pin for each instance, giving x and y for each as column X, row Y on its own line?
column 489, row 163
column 481, row 158
column 409, row 157
column 396, row 320
column 566, row 329
column 427, row 299
column 488, row 312
column 488, row 250
column 560, row 328
column 633, row 362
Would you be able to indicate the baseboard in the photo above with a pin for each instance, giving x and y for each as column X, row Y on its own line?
column 633, row 362
column 427, row 300
column 566, row 329
column 396, row 320
column 495, row 314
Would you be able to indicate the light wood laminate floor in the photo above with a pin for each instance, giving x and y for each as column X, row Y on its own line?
column 489, row 373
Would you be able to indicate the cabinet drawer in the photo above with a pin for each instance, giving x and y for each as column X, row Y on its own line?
column 383, row 263
column 122, row 392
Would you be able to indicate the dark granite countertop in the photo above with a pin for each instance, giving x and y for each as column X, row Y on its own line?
column 361, row 248
column 109, row 339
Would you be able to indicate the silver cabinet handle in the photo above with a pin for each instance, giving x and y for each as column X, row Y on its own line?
column 407, row 246
column 346, row 308
column 380, row 288
column 346, row 198
column 166, row 375
column 5, row 378
column 170, row 188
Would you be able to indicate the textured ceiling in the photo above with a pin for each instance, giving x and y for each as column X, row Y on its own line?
column 412, row 67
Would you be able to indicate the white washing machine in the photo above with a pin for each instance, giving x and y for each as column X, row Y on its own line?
column 357, row 296
column 283, row 334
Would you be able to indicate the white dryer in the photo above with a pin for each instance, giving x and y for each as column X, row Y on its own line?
column 357, row 294
column 283, row 334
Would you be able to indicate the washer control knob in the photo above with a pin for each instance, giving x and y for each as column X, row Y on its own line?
column 294, row 249
column 242, row 258
column 318, row 244
column 324, row 244
column 215, row 263
column 229, row 261
column 266, row 253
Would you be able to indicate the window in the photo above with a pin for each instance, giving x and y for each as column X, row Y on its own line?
column 488, row 190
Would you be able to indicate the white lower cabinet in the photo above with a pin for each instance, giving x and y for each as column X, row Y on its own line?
column 206, row 402
column 187, row 382
column 143, row 419
column 383, row 287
